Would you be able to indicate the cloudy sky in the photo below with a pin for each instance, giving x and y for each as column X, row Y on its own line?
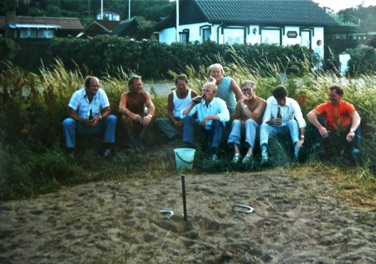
column 337, row 5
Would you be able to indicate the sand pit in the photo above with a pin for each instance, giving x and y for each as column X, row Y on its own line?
column 294, row 221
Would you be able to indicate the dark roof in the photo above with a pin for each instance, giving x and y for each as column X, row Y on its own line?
column 125, row 26
column 263, row 12
column 65, row 22
column 101, row 27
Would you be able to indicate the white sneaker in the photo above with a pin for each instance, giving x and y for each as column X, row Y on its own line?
column 236, row 158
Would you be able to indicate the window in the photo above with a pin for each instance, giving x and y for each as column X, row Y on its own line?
column 184, row 36
column 234, row 35
column 271, row 36
column 305, row 39
column 206, row 33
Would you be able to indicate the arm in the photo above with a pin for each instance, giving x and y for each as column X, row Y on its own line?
column 73, row 114
column 256, row 114
column 223, row 115
column 355, row 123
column 187, row 110
column 125, row 111
column 170, row 109
column 312, row 117
column 235, row 88
column 151, row 109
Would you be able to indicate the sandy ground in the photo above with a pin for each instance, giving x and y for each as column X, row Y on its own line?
column 294, row 221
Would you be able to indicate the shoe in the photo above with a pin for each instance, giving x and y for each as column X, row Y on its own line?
column 264, row 159
column 264, row 155
column 106, row 153
column 247, row 159
column 236, row 158
column 356, row 155
column 214, row 158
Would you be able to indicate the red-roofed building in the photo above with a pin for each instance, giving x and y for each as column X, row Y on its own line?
column 15, row 27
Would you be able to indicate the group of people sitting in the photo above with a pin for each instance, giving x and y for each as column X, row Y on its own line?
column 204, row 119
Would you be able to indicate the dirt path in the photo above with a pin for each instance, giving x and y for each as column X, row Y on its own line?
column 295, row 221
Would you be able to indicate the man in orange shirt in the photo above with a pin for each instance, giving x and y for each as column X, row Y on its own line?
column 336, row 116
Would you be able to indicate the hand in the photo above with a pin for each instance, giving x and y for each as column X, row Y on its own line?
column 137, row 118
column 197, row 99
column 93, row 122
column 324, row 132
column 277, row 121
column 300, row 142
column 213, row 80
column 204, row 122
column 178, row 124
column 146, row 120
column 350, row 136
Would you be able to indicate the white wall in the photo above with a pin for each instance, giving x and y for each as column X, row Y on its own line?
column 168, row 35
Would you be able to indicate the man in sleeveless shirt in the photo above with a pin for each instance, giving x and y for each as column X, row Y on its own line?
column 133, row 115
column 178, row 100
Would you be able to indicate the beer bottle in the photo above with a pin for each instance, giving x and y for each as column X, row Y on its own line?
column 279, row 113
column 91, row 115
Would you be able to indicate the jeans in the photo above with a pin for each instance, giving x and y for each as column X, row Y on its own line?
column 167, row 127
column 291, row 127
column 215, row 132
column 106, row 126
column 250, row 127
column 318, row 138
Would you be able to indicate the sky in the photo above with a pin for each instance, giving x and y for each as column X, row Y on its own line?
column 338, row 5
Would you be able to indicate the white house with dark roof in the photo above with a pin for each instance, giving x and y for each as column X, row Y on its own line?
column 281, row 22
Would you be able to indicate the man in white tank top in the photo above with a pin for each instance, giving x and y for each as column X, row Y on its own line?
column 178, row 100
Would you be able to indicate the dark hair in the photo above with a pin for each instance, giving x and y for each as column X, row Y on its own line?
column 280, row 92
column 88, row 80
column 181, row 77
column 134, row 77
column 338, row 90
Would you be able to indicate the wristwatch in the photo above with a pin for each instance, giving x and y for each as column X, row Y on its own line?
column 302, row 137
column 100, row 117
column 352, row 130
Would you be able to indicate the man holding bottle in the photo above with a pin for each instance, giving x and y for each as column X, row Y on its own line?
column 212, row 115
column 282, row 116
column 89, row 113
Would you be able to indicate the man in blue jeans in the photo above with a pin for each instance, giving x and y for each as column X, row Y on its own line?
column 89, row 113
column 248, row 116
column 212, row 115
column 282, row 116
column 178, row 100
column 336, row 117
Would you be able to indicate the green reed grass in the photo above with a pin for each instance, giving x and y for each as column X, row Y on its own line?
column 32, row 157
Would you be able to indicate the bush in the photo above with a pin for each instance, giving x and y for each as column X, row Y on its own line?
column 154, row 60
column 363, row 60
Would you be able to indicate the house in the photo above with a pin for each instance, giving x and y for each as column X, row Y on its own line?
column 133, row 28
column 281, row 22
column 100, row 27
column 108, row 15
column 19, row 27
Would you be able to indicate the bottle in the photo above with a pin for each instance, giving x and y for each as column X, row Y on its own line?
column 279, row 113
column 91, row 115
column 197, row 99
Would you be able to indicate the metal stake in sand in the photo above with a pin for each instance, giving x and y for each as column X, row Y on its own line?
column 184, row 197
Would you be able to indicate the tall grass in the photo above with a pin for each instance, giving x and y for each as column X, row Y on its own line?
column 32, row 157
